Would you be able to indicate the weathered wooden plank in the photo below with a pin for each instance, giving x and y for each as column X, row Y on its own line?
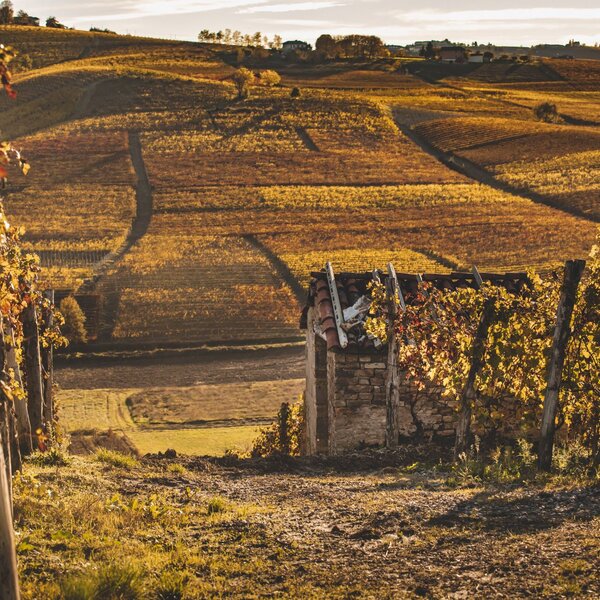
column 337, row 307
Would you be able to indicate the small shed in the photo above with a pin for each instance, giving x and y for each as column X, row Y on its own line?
column 346, row 395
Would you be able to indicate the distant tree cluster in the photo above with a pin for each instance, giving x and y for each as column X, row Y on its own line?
column 237, row 38
column 351, row 46
column 8, row 17
column 99, row 30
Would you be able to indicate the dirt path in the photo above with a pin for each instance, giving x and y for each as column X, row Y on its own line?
column 481, row 175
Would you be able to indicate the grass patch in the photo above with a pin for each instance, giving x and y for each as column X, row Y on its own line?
column 116, row 459
column 205, row 441
column 55, row 457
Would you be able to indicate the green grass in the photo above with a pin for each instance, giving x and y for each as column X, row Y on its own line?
column 206, row 441
column 116, row 459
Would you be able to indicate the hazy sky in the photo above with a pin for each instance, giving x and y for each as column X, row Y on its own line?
column 396, row 21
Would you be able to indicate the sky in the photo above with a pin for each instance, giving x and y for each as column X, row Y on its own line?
column 512, row 22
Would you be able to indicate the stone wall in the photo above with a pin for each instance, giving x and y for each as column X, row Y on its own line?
column 357, row 402
column 425, row 414
column 346, row 402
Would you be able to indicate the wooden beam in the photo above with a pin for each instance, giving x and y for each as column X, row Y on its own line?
column 477, row 277
column 9, row 578
column 562, row 333
column 337, row 307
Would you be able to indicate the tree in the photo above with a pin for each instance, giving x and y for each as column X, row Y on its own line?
column 54, row 23
column 270, row 78
column 204, row 35
column 242, row 79
column 74, row 327
column 429, row 52
column 277, row 42
column 327, row 45
column 257, row 39
column 236, row 36
column 547, row 112
column 7, row 12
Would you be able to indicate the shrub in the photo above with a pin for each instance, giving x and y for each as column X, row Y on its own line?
column 242, row 79
column 112, row 582
column 74, row 328
column 295, row 93
column 270, row 78
column 171, row 586
column 546, row 111
column 217, row 505
column 116, row 459
column 283, row 437
column 55, row 457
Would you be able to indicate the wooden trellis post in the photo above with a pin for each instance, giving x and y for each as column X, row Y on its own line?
column 562, row 333
column 20, row 404
column 392, row 384
column 7, row 412
column 33, row 371
column 469, row 393
column 48, row 365
column 9, row 579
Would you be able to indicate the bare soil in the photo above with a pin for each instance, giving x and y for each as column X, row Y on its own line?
column 182, row 370
column 365, row 526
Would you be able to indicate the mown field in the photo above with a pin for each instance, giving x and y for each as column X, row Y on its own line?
column 244, row 199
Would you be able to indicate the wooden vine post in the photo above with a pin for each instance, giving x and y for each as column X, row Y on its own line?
column 392, row 383
column 48, row 364
column 33, row 371
column 20, row 403
column 8, row 421
column 469, row 393
column 9, row 581
column 562, row 333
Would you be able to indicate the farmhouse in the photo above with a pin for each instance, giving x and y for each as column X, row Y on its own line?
column 347, row 375
column 295, row 45
column 453, row 54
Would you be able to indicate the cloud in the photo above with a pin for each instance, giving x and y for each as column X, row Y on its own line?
column 505, row 15
column 290, row 7
column 137, row 9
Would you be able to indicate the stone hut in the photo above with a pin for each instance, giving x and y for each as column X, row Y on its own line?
column 346, row 370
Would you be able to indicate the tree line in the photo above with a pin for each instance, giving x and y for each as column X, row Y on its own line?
column 351, row 46
column 237, row 38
